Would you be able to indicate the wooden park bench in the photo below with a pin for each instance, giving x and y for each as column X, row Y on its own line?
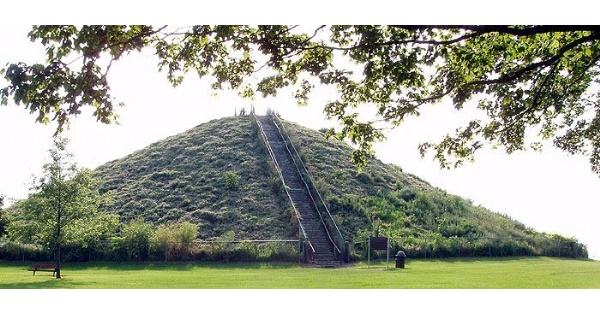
column 44, row 267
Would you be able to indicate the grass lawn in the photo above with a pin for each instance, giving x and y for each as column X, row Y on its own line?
column 476, row 273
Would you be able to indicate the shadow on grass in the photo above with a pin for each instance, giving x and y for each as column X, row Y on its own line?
column 179, row 266
column 467, row 260
column 49, row 283
column 475, row 260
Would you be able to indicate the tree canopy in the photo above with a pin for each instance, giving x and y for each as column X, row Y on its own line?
column 523, row 79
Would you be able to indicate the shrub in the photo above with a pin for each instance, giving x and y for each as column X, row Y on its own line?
column 185, row 234
column 365, row 178
column 407, row 194
column 137, row 235
column 17, row 251
column 114, row 249
column 76, row 253
column 232, row 180
column 164, row 240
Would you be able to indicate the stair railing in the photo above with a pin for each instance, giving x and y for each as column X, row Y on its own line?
column 337, row 240
column 303, row 238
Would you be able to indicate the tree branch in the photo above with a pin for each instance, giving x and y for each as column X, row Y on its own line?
column 511, row 77
column 505, row 29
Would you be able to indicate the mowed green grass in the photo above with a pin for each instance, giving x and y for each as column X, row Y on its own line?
column 477, row 273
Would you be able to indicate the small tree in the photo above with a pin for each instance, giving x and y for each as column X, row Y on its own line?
column 62, row 207
column 164, row 238
column 137, row 235
column 187, row 232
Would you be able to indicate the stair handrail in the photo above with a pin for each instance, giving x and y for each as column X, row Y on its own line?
column 336, row 248
column 297, row 161
column 270, row 150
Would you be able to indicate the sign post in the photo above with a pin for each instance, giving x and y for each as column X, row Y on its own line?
column 378, row 243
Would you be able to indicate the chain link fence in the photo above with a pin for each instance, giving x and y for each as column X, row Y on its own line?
column 481, row 247
column 122, row 250
column 289, row 250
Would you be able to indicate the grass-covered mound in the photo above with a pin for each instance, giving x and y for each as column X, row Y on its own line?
column 421, row 219
column 215, row 174
column 219, row 176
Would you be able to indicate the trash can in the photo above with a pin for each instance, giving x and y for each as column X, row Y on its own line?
column 400, row 258
column 346, row 255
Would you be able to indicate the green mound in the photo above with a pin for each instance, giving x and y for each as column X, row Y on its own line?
column 215, row 174
column 219, row 176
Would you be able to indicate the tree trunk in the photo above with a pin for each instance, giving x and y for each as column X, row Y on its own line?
column 58, row 261
column 58, row 239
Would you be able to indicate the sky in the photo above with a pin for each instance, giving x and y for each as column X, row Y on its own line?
column 549, row 191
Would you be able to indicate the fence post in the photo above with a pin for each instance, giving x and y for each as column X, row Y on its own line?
column 387, row 264
column 368, row 253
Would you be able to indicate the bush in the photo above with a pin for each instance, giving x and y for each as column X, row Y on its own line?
column 164, row 240
column 185, row 234
column 137, row 235
column 174, row 241
column 16, row 251
column 75, row 253
column 113, row 249
column 232, row 180
column 407, row 194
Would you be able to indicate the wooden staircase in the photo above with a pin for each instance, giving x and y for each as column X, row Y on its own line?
column 324, row 251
